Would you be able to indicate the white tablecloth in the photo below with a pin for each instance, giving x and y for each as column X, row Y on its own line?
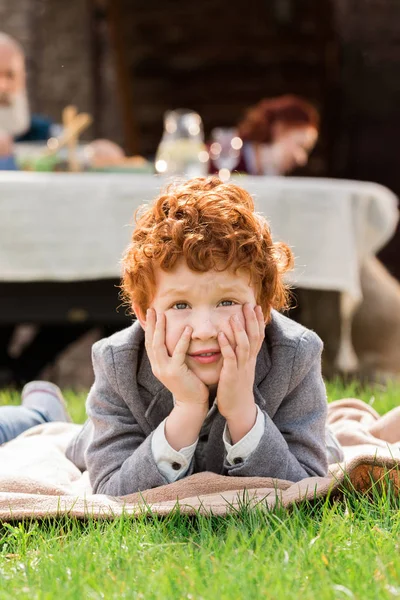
column 65, row 227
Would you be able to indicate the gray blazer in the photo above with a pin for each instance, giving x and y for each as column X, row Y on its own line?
column 127, row 402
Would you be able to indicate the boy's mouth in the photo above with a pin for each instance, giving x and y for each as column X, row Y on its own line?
column 207, row 356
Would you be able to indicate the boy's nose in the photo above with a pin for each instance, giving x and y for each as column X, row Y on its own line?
column 203, row 328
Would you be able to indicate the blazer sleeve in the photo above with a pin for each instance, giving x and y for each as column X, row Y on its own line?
column 119, row 458
column 293, row 445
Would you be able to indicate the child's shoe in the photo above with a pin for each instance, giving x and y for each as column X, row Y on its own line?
column 46, row 398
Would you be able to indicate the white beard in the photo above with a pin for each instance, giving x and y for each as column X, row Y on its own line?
column 16, row 119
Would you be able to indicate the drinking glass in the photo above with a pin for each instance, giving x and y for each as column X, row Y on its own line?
column 225, row 150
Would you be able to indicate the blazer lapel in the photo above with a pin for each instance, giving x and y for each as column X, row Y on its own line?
column 159, row 408
column 161, row 402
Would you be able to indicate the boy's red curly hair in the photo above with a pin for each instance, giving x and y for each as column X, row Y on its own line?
column 212, row 225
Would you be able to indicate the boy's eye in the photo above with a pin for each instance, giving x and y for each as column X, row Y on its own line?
column 180, row 305
column 227, row 303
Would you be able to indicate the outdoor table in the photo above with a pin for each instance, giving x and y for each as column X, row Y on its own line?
column 62, row 236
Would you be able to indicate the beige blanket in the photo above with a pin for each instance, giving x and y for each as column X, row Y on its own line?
column 37, row 480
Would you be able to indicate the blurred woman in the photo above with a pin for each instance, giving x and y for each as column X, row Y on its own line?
column 278, row 135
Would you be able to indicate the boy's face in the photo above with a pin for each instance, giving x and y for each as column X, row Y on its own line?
column 205, row 301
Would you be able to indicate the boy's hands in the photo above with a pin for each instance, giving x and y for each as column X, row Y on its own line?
column 235, row 387
column 172, row 371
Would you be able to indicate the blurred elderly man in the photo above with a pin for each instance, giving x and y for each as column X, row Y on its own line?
column 14, row 108
column 16, row 122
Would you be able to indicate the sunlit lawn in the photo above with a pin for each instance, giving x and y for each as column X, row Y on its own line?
column 346, row 549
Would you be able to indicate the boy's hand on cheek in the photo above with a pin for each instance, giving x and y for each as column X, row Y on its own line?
column 172, row 371
column 235, row 387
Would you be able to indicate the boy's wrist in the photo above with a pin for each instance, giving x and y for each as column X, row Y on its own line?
column 241, row 422
column 191, row 408
column 183, row 424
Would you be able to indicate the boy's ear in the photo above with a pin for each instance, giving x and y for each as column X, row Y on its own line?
column 140, row 315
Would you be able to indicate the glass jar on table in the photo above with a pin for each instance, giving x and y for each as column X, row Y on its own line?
column 182, row 150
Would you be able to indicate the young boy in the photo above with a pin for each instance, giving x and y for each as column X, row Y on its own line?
column 210, row 377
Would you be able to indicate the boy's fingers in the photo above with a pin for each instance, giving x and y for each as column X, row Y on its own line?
column 150, row 320
column 241, row 339
column 149, row 331
column 227, row 351
column 252, row 328
column 182, row 345
column 260, row 321
column 158, row 344
column 149, row 339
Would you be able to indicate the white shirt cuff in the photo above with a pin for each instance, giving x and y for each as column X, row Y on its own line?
column 171, row 463
column 243, row 448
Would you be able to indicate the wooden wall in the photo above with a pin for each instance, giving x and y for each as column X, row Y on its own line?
column 368, row 126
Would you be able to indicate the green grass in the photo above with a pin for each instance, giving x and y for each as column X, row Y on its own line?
column 326, row 550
